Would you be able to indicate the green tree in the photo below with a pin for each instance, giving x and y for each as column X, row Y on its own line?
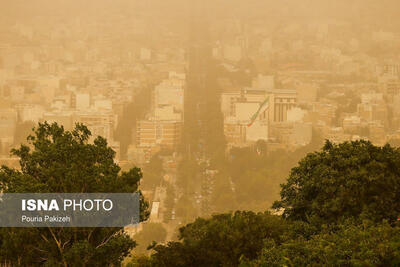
column 59, row 161
column 139, row 261
column 151, row 232
column 349, row 245
column 220, row 241
column 352, row 179
column 326, row 200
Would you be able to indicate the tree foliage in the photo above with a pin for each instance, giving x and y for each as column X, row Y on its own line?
column 59, row 161
column 151, row 232
column 220, row 240
column 340, row 209
column 349, row 245
column 352, row 179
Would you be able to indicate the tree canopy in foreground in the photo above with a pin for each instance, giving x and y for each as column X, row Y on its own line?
column 60, row 161
column 352, row 179
column 340, row 208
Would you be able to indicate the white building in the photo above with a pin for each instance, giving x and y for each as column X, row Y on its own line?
column 82, row 101
column 27, row 112
column 170, row 92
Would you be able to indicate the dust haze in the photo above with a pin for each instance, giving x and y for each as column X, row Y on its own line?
column 214, row 100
